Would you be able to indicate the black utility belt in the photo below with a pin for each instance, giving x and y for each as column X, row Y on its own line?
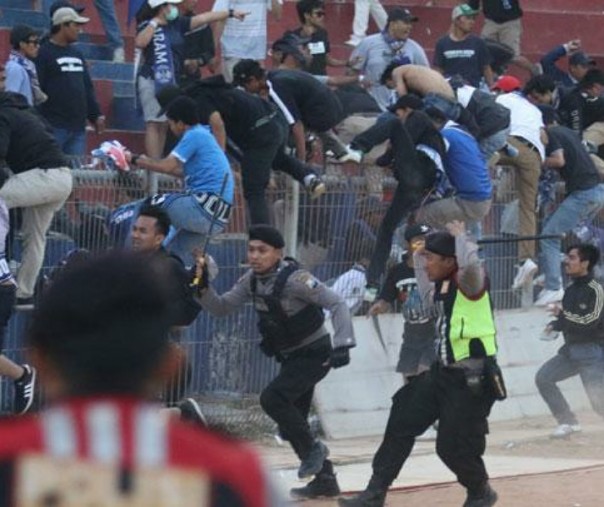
column 528, row 144
column 214, row 205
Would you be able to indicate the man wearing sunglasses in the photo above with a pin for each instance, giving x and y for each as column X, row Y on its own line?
column 311, row 14
column 21, row 75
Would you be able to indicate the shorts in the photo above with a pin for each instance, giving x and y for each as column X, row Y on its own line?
column 7, row 302
column 507, row 33
column 146, row 96
column 418, row 350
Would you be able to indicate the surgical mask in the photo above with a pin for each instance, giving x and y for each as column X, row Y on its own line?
column 172, row 13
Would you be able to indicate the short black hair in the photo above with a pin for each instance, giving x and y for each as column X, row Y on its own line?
column 246, row 69
column 21, row 33
column 163, row 220
column 592, row 77
column 387, row 74
column 587, row 252
column 183, row 109
column 539, row 84
column 307, row 6
column 104, row 325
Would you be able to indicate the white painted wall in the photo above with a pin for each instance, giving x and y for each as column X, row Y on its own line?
column 354, row 401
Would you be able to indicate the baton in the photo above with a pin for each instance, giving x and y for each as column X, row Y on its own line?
column 206, row 241
column 519, row 238
column 378, row 330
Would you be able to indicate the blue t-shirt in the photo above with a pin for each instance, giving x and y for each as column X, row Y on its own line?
column 465, row 166
column 204, row 163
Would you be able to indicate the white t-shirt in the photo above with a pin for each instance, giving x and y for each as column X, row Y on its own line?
column 351, row 286
column 247, row 38
column 526, row 120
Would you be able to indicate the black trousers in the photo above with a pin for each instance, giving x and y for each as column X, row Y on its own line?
column 265, row 150
column 415, row 174
column 288, row 397
column 439, row 394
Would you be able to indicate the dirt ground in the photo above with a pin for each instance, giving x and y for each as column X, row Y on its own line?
column 577, row 488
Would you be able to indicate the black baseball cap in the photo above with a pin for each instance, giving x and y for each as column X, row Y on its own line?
column 64, row 3
column 21, row 33
column 580, row 58
column 401, row 14
column 441, row 243
column 290, row 44
column 417, row 230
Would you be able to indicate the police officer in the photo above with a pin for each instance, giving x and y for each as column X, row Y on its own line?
column 290, row 302
column 462, row 384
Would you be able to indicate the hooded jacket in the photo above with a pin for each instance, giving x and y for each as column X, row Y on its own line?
column 25, row 140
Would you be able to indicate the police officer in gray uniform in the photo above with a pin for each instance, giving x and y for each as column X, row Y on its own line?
column 289, row 302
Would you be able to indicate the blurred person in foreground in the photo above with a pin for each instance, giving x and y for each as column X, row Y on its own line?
column 99, row 338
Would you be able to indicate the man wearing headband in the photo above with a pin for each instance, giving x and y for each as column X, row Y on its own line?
column 461, row 385
column 289, row 302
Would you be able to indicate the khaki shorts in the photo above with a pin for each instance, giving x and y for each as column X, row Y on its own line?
column 507, row 33
column 146, row 95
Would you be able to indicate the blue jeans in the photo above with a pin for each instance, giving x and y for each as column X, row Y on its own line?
column 72, row 142
column 490, row 145
column 578, row 206
column 191, row 227
column 585, row 360
column 106, row 10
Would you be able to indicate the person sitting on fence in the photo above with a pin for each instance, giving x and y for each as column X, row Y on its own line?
column 100, row 341
column 289, row 302
column 416, row 157
column 204, row 205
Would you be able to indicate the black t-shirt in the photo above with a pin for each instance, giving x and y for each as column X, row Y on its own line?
column 239, row 110
column 467, row 57
column 307, row 99
column 579, row 172
column 318, row 47
column 498, row 11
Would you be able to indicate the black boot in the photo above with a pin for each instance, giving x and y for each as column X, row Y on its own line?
column 373, row 496
column 313, row 463
column 486, row 497
column 323, row 485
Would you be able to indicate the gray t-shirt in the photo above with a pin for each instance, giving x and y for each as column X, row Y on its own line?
column 372, row 56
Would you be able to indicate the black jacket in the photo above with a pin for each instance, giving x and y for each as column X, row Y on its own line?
column 25, row 139
column 582, row 316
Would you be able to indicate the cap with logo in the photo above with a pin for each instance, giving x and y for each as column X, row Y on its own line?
column 463, row 10
column 417, row 230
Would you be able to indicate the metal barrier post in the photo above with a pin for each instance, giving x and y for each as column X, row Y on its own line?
column 292, row 211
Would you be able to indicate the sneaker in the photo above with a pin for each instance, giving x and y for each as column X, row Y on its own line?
column 525, row 272
column 539, row 281
column 351, row 155
column 313, row 463
column 315, row 187
column 565, row 430
column 191, row 412
column 353, row 41
column 547, row 297
column 323, row 485
column 25, row 389
column 25, row 303
column 119, row 55
column 486, row 499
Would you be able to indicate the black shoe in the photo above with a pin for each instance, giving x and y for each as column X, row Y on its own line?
column 323, row 485
column 373, row 496
column 191, row 413
column 25, row 303
column 486, row 498
column 25, row 389
column 313, row 463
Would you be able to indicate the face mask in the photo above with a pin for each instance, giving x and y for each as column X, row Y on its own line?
column 172, row 13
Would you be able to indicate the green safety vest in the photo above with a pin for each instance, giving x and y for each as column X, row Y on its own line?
column 471, row 319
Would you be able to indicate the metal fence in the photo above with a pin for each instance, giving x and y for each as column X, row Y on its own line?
column 228, row 369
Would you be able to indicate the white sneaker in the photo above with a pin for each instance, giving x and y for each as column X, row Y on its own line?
column 565, row 430
column 525, row 272
column 351, row 156
column 353, row 41
column 539, row 281
column 119, row 56
column 549, row 296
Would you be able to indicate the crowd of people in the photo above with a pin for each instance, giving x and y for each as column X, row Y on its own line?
column 445, row 126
